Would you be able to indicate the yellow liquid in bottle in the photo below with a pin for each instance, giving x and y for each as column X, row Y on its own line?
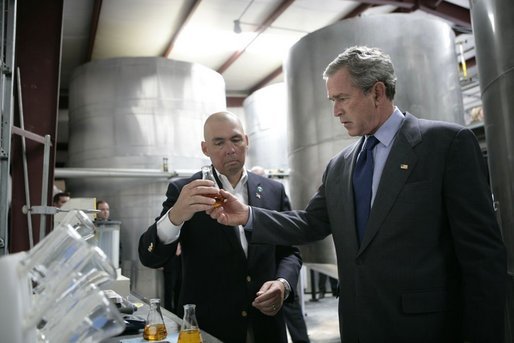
column 190, row 336
column 155, row 332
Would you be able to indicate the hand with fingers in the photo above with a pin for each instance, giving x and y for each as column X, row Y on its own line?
column 192, row 198
column 270, row 297
column 233, row 212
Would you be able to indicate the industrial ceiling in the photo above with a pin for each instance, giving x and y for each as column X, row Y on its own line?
column 203, row 31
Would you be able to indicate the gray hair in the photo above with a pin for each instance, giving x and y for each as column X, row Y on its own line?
column 366, row 66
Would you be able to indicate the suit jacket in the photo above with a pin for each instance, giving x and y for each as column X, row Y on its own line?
column 217, row 276
column 431, row 266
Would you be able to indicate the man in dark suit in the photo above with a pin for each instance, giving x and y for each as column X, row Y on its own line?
column 427, row 264
column 238, row 287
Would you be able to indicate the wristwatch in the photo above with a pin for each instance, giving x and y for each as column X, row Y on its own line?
column 287, row 287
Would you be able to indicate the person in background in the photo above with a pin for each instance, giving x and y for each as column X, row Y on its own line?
column 238, row 287
column 322, row 285
column 419, row 253
column 293, row 314
column 103, row 207
column 60, row 199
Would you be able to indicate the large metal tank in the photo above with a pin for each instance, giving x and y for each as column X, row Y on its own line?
column 424, row 57
column 130, row 113
column 493, row 29
column 265, row 112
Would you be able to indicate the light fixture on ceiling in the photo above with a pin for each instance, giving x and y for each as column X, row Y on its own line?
column 237, row 26
column 237, row 22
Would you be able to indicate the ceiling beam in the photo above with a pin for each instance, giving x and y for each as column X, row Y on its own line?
column 235, row 101
column 97, row 8
column 275, row 73
column 447, row 10
column 396, row 3
column 444, row 9
column 265, row 25
column 357, row 11
column 182, row 22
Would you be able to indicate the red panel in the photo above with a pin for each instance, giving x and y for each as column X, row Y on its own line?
column 38, row 50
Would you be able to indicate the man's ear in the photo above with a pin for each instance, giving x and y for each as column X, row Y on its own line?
column 204, row 149
column 379, row 91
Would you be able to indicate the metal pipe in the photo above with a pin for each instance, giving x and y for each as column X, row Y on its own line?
column 67, row 173
column 25, row 165
column 493, row 30
column 44, row 185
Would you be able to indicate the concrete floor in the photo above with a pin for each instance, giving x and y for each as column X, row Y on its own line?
column 322, row 320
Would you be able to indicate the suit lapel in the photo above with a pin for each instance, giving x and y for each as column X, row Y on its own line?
column 347, row 190
column 400, row 163
column 255, row 191
column 255, row 198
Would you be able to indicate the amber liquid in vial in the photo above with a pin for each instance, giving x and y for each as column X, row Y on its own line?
column 219, row 199
column 155, row 332
column 190, row 336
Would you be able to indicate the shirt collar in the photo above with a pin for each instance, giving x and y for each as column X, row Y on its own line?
column 387, row 131
column 226, row 183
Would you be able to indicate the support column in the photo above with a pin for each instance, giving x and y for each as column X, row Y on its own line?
column 493, row 29
column 38, row 54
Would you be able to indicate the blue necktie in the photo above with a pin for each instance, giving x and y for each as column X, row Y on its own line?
column 362, row 182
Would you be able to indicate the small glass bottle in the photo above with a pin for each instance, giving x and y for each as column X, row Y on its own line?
column 164, row 164
column 208, row 174
column 155, row 330
column 189, row 331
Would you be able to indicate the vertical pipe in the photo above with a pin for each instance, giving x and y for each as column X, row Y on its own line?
column 493, row 29
column 44, row 185
column 8, row 30
column 25, row 164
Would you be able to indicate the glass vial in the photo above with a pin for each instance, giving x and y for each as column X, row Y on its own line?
column 155, row 330
column 208, row 174
column 189, row 331
column 164, row 164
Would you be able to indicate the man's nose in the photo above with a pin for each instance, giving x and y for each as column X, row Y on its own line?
column 230, row 148
column 336, row 110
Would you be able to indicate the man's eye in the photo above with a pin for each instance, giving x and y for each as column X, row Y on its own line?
column 337, row 99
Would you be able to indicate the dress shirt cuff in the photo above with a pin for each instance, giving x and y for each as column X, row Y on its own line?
column 249, row 223
column 166, row 230
column 287, row 287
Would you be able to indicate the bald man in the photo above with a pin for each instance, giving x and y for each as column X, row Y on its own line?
column 238, row 287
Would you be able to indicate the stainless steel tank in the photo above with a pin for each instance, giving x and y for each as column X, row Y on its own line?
column 265, row 112
column 493, row 30
column 131, row 113
column 424, row 57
